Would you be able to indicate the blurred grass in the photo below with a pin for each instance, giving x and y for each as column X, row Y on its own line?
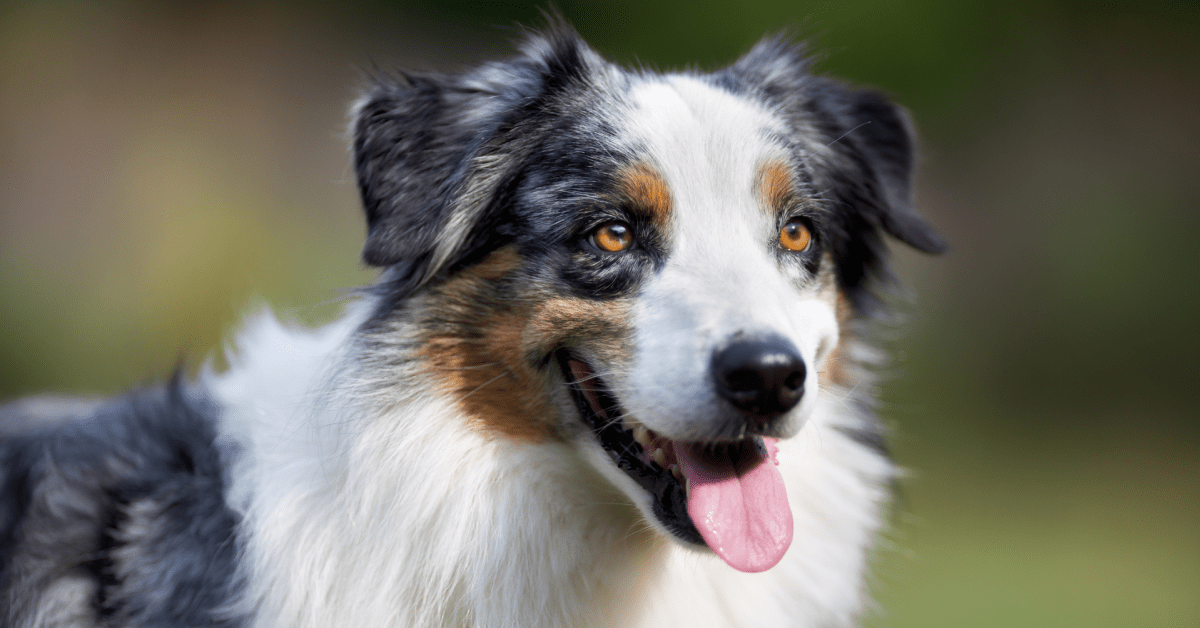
column 165, row 166
column 1019, row 514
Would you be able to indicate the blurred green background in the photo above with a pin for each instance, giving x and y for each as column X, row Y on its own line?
column 164, row 167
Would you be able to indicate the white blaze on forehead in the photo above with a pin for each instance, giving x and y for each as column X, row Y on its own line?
column 707, row 142
column 723, row 273
column 710, row 146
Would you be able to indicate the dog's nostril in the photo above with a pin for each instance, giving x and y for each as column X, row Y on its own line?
column 763, row 377
column 743, row 380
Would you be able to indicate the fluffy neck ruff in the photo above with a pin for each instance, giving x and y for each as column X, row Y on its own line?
column 376, row 506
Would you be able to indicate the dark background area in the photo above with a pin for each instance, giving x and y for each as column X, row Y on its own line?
column 164, row 167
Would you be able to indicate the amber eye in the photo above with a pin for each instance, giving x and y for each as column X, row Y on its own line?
column 795, row 236
column 613, row 237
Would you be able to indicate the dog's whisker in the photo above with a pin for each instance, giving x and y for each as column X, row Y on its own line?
column 483, row 385
column 469, row 367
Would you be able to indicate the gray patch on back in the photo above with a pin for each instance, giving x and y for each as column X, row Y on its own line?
column 114, row 514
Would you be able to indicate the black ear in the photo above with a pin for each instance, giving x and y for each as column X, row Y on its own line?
column 411, row 145
column 865, row 169
column 434, row 153
column 885, row 138
column 870, row 150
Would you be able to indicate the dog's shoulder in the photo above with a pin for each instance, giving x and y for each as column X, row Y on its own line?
column 114, row 511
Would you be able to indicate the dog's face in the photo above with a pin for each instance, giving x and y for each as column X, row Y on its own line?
column 650, row 267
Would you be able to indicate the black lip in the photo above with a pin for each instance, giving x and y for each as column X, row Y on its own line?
column 670, row 499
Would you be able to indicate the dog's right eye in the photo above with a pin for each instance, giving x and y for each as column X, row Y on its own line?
column 795, row 236
column 613, row 237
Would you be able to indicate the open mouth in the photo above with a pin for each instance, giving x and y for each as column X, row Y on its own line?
column 728, row 496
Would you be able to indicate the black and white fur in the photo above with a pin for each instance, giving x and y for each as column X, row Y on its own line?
column 423, row 461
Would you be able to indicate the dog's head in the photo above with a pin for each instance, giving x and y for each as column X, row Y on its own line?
column 652, row 267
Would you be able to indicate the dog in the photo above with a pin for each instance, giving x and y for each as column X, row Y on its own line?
column 616, row 370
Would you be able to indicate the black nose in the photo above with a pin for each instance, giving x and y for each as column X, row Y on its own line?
column 761, row 376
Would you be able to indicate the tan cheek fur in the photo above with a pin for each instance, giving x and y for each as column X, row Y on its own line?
column 837, row 366
column 486, row 348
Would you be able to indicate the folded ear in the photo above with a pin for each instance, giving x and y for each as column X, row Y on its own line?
column 434, row 153
column 885, row 138
column 412, row 142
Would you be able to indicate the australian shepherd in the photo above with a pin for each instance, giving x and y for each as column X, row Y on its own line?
column 615, row 371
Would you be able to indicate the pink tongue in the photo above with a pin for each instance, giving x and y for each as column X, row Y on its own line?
column 742, row 512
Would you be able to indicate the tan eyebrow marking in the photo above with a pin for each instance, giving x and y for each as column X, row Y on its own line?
column 645, row 187
column 775, row 185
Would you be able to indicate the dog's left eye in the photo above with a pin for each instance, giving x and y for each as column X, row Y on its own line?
column 795, row 236
column 613, row 237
